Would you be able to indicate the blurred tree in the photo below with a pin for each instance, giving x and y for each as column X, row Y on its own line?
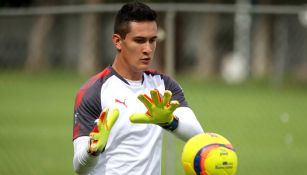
column 37, row 58
column 206, row 52
column 262, row 42
column 89, row 41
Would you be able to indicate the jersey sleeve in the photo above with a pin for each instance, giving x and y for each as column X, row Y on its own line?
column 174, row 87
column 87, row 110
column 88, row 104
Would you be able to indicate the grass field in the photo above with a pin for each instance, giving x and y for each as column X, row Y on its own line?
column 267, row 125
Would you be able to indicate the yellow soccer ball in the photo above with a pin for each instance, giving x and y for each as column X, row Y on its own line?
column 209, row 154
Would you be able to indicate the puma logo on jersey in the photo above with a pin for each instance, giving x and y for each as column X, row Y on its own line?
column 121, row 102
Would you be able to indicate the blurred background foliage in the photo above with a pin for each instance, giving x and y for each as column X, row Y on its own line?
column 206, row 42
column 257, row 98
column 21, row 3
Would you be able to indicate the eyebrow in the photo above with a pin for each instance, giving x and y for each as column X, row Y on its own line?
column 154, row 37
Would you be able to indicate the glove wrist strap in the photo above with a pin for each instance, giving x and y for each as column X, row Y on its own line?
column 93, row 153
column 172, row 125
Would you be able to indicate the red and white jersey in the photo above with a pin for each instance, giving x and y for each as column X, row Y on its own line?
column 131, row 148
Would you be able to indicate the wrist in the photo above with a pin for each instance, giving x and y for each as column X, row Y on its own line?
column 93, row 152
column 172, row 125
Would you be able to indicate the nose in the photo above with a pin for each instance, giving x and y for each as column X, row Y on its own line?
column 148, row 48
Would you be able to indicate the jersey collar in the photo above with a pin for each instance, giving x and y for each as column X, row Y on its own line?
column 120, row 77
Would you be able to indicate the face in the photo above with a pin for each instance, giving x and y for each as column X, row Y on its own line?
column 136, row 50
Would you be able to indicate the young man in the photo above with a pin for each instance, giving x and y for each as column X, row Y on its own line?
column 120, row 113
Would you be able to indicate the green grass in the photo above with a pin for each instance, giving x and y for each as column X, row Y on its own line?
column 36, row 123
column 266, row 125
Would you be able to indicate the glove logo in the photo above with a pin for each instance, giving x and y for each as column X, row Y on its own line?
column 121, row 102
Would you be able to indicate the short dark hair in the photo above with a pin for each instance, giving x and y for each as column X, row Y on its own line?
column 133, row 11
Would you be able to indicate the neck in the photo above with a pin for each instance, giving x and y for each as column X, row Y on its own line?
column 125, row 71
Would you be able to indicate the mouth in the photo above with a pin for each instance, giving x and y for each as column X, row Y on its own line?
column 145, row 60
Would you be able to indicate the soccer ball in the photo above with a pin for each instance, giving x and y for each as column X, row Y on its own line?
column 209, row 154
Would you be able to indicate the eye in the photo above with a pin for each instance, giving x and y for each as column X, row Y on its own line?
column 139, row 40
column 152, row 40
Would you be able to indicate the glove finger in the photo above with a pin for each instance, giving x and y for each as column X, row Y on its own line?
column 95, row 129
column 98, row 125
column 102, row 118
column 103, row 114
column 156, row 98
column 167, row 97
column 145, row 100
column 140, row 118
column 173, row 105
column 94, row 136
column 93, row 147
column 112, row 117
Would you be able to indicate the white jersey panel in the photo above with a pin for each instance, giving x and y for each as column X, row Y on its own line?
column 132, row 149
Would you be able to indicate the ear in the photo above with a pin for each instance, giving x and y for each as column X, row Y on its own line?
column 117, row 41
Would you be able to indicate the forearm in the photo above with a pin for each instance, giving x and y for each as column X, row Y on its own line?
column 82, row 161
column 188, row 125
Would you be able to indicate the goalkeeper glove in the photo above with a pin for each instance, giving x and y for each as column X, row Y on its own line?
column 100, row 133
column 160, row 110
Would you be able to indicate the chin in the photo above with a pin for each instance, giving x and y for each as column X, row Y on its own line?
column 143, row 68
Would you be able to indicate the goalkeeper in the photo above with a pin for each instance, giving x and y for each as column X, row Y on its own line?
column 120, row 113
